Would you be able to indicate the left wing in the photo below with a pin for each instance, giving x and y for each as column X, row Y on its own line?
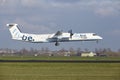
column 58, row 33
column 59, row 36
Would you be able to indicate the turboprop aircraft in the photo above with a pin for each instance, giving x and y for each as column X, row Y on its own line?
column 57, row 37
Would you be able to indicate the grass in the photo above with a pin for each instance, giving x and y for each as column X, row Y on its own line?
column 56, row 58
column 59, row 71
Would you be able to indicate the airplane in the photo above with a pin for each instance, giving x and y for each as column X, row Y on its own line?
column 57, row 37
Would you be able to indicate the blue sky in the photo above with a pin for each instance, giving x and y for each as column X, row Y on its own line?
column 49, row 16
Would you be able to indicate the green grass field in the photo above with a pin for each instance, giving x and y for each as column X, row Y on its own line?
column 56, row 58
column 59, row 71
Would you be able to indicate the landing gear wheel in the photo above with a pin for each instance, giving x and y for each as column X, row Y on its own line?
column 57, row 44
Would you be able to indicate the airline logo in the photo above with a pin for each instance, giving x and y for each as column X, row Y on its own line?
column 27, row 38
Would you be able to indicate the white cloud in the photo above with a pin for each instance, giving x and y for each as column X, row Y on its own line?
column 108, row 7
column 32, row 28
column 33, row 3
column 2, row 2
column 100, row 7
column 9, row 3
column 106, row 11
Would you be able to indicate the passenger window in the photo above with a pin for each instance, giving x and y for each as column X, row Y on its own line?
column 83, row 36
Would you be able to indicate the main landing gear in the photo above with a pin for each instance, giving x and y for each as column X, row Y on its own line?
column 57, row 44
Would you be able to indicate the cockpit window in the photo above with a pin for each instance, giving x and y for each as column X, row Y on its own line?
column 94, row 34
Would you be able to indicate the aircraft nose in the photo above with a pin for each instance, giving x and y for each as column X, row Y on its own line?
column 100, row 37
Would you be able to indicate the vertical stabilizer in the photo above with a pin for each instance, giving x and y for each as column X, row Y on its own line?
column 14, row 30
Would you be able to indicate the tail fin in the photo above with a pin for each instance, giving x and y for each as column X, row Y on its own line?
column 14, row 30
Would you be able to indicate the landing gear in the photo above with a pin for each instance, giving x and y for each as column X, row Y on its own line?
column 57, row 44
column 71, row 33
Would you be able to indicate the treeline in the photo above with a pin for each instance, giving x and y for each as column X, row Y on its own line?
column 62, row 52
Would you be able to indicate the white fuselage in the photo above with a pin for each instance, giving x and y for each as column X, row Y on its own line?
column 55, row 37
column 39, row 38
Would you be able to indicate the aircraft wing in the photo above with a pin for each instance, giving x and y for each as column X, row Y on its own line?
column 58, row 33
column 56, row 36
column 60, row 36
